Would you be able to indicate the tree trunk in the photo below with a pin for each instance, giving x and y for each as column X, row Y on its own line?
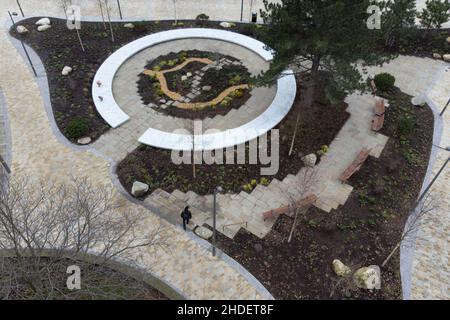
column 101, row 12
column 397, row 246
column 109, row 20
column 79, row 39
column 293, row 226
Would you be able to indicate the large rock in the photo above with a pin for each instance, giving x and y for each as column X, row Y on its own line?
column 310, row 160
column 139, row 189
column 448, row 40
column 128, row 25
column 225, row 25
column 43, row 21
column 203, row 232
column 66, row 70
column 85, row 140
column 341, row 269
column 446, row 57
column 21, row 30
column 437, row 56
column 368, row 278
column 206, row 88
column 418, row 100
column 44, row 27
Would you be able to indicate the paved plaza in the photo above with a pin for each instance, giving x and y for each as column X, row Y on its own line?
column 38, row 152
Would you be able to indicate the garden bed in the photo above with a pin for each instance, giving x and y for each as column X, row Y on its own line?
column 196, row 82
column 360, row 233
column 57, row 47
column 318, row 126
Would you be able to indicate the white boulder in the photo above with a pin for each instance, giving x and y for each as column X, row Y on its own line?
column 310, row 160
column 206, row 88
column 341, row 269
column 44, row 27
column 139, row 189
column 418, row 100
column 446, row 57
column 66, row 70
column 21, row 30
column 448, row 40
column 203, row 232
column 368, row 278
column 189, row 74
column 43, row 21
column 437, row 56
column 184, row 78
column 128, row 25
column 225, row 25
column 85, row 140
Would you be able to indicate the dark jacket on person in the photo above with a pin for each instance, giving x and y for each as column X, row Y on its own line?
column 186, row 214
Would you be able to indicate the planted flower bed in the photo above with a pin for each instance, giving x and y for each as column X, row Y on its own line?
column 196, row 83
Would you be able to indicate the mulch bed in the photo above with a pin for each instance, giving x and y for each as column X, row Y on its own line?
column 57, row 47
column 218, row 80
column 318, row 126
column 360, row 233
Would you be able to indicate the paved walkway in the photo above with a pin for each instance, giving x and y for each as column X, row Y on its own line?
column 244, row 210
column 37, row 152
column 430, row 276
column 117, row 143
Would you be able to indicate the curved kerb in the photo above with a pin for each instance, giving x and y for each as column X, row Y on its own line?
column 102, row 95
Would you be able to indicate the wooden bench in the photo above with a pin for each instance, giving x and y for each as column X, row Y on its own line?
column 378, row 119
column 356, row 164
column 305, row 202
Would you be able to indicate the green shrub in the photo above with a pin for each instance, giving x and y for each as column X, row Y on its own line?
column 406, row 125
column 77, row 128
column 384, row 81
column 202, row 16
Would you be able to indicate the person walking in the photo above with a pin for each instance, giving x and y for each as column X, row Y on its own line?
column 186, row 215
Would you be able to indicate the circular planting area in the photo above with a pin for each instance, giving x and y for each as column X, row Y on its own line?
column 195, row 84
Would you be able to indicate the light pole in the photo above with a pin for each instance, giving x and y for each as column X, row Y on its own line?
column 435, row 177
column 120, row 9
column 20, row 7
column 216, row 191
column 10, row 16
column 242, row 9
column 445, row 108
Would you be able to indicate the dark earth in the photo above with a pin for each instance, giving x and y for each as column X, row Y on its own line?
column 57, row 47
column 155, row 167
column 218, row 80
column 360, row 233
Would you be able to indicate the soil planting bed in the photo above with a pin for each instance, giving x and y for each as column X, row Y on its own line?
column 58, row 47
column 360, row 233
column 318, row 126
column 215, row 81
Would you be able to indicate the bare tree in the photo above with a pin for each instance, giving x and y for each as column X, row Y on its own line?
column 413, row 225
column 44, row 229
column 64, row 4
column 100, row 5
column 109, row 19
column 175, row 11
column 304, row 183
